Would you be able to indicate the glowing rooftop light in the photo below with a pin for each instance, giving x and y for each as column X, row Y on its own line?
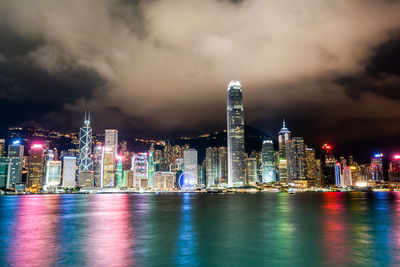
column 37, row 146
column 397, row 156
column 327, row 147
column 235, row 84
column 16, row 142
column 380, row 155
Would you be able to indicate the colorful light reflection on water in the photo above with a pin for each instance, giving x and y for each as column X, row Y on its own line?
column 274, row 229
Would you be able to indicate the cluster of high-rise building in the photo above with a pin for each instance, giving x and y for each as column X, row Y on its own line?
column 107, row 163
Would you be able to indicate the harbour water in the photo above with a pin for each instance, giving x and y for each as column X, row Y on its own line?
column 261, row 229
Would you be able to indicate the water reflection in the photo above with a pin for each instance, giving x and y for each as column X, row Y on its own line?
column 110, row 235
column 360, row 228
column 334, row 229
column 186, row 244
column 330, row 229
column 34, row 235
column 395, row 230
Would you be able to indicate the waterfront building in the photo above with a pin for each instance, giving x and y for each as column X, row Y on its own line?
column 108, row 168
column 223, row 165
column 118, row 172
column 164, row 180
column 377, row 167
column 235, row 135
column 36, row 166
column 109, row 158
column 268, row 162
column 190, row 164
column 347, row 177
column 16, row 155
column 98, row 165
column 69, row 172
column 310, row 164
column 53, row 173
column 2, row 145
column 152, row 167
column 140, row 167
column 295, row 153
column 328, row 166
column 129, row 178
column 86, row 179
column 213, row 171
column 201, row 175
column 395, row 168
column 338, row 174
column 5, row 167
column 251, row 171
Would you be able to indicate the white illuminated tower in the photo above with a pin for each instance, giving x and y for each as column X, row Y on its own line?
column 190, row 164
column 268, row 162
column 284, row 137
column 85, row 145
column 235, row 135
column 69, row 172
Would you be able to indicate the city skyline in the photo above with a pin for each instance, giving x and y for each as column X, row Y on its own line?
column 157, row 77
column 200, row 133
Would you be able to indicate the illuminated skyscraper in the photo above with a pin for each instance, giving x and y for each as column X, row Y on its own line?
column 296, row 159
column 16, row 155
column 2, row 144
column 118, row 173
column 109, row 157
column 347, row 177
column 140, row 167
column 111, row 140
column 69, row 172
column 5, row 167
column 53, row 172
column 190, row 164
column 213, row 173
column 235, row 135
column 377, row 167
column 223, row 164
column 283, row 139
column 328, row 166
column 98, row 165
column 35, row 169
column 311, row 169
column 251, row 171
column 268, row 162
column 338, row 175
column 85, row 145
column 395, row 168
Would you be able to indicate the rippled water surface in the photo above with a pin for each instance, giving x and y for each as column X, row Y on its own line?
column 263, row 229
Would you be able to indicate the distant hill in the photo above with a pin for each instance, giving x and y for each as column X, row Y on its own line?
column 253, row 141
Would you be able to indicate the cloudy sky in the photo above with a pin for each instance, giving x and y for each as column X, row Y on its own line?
column 161, row 68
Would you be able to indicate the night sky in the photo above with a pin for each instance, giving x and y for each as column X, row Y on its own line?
column 161, row 68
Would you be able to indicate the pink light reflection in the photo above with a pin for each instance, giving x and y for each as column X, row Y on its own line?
column 35, row 231
column 110, row 236
column 334, row 229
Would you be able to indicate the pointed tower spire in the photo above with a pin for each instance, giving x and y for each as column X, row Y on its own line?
column 87, row 118
column 284, row 124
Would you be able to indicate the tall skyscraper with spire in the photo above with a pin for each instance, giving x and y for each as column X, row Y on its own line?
column 85, row 145
column 284, row 144
column 235, row 135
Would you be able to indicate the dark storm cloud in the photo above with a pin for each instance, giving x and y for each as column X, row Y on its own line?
column 163, row 66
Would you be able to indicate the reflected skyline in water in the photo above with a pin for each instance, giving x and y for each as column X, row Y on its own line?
column 275, row 229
